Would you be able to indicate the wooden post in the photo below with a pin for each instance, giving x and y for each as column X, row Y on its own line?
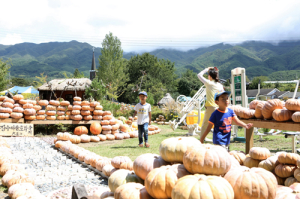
column 294, row 144
column 79, row 192
column 249, row 139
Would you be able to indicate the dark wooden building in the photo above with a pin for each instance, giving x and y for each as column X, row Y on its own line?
column 64, row 88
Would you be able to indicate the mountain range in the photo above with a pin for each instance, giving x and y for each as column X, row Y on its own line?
column 279, row 61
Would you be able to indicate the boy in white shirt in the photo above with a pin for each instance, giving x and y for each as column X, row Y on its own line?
column 143, row 112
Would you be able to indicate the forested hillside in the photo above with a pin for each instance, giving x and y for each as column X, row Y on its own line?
column 278, row 62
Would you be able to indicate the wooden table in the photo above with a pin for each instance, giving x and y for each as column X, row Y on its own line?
column 60, row 121
column 270, row 124
column 12, row 120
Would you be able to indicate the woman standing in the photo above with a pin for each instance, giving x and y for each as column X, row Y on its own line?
column 212, row 86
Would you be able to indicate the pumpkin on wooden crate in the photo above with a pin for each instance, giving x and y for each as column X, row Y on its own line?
column 269, row 164
column 270, row 106
column 282, row 115
column 289, row 181
column 285, row 170
column 292, row 104
column 201, row 186
column 199, row 160
column 121, row 177
column 259, row 153
column 252, row 183
column 246, row 113
column 173, row 149
column 160, row 181
column 131, row 191
column 239, row 156
column 79, row 130
column 288, row 158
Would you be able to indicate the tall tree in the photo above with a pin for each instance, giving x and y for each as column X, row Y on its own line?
column 189, row 83
column 4, row 81
column 255, row 81
column 78, row 74
column 112, row 70
column 96, row 91
column 18, row 81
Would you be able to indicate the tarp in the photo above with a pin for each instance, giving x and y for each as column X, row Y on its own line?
column 20, row 90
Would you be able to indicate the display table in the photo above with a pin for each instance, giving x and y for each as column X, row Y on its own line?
column 60, row 121
column 12, row 120
column 270, row 124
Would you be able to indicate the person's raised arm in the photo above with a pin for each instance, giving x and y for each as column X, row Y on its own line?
column 210, row 125
column 242, row 124
column 201, row 77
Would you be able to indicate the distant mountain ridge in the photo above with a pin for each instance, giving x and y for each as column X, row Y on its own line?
column 259, row 58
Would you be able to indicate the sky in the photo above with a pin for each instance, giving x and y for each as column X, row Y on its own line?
column 148, row 25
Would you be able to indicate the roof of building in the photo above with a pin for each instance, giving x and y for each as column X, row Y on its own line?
column 290, row 95
column 253, row 92
column 167, row 98
column 93, row 62
column 279, row 93
column 66, row 84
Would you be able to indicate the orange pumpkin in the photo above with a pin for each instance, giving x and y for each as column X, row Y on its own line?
column 258, row 110
column 259, row 153
column 281, row 115
column 131, row 190
column 288, row 158
column 285, row 170
column 270, row 106
column 292, row 104
column 296, row 116
column 79, row 130
column 118, row 160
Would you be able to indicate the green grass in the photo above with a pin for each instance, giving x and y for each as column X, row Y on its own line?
column 3, row 189
column 130, row 147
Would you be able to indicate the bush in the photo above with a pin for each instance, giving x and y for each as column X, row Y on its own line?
column 125, row 113
column 110, row 106
column 155, row 112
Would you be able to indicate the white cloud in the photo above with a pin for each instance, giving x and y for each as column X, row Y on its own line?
column 11, row 39
column 150, row 24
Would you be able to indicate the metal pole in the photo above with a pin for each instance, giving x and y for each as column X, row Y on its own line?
column 296, row 89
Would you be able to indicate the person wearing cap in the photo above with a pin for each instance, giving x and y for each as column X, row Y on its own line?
column 143, row 112
column 221, row 119
column 212, row 86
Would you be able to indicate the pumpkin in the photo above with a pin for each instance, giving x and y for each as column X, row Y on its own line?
column 40, row 117
column 26, row 105
column 285, row 170
column 296, row 116
column 61, row 108
column 79, row 130
column 9, row 160
column 60, row 117
column 280, row 181
column 94, row 139
column 2, row 98
column 29, row 111
column 127, row 166
column 289, row 181
column 70, row 108
column 95, row 128
column 76, row 117
column 48, row 112
column 173, row 149
column 269, row 164
column 252, row 183
column 115, row 127
column 76, row 107
column 98, row 112
column 288, row 158
column 85, row 138
column 107, row 113
column 101, row 163
column 77, row 98
column 41, row 112
column 4, row 115
column 77, row 103
column 16, row 115
column 292, row 104
column 121, row 177
column 49, row 117
column 87, row 117
column 85, row 112
column 118, row 160
column 160, row 181
column 11, row 174
column 297, row 174
column 30, row 117
column 23, row 102
column 282, row 115
column 85, row 108
column 37, row 107
column 107, row 117
column 64, row 103
column 43, row 102
column 210, row 160
column 110, row 137
column 239, row 156
column 75, row 139
column 133, row 134
column 246, row 113
column 9, row 100
column 259, row 153
column 126, row 135
column 102, row 137
column 16, row 167
column 250, row 162
column 93, row 104
column 113, row 121
column 5, row 110
column 21, row 189
column 145, row 163
column 104, row 122
column 201, row 186
column 75, row 112
column 270, row 106
column 18, row 110
column 51, row 108
column 131, row 191
column 85, row 103
column 54, row 102
column 105, row 132
column 287, row 193
column 125, row 128
column 118, row 136
column 253, row 104
column 18, row 180
column 108, row 170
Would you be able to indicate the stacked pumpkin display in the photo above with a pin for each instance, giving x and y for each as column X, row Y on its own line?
column 97, row 112
column 14, row 175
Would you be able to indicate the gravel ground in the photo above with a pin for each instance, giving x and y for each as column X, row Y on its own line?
column 51, row 169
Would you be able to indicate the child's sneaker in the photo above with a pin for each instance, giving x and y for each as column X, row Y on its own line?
column 147, row 145
column 140, row 145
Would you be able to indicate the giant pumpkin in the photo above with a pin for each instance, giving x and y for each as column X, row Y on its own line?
column 282, row 115
column 95, row 128
column 79, row 130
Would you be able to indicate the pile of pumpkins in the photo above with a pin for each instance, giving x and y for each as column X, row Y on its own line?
column 271, row 109
column 108, row 130
column 186, row 169
column 161, row 120
column 14, row 175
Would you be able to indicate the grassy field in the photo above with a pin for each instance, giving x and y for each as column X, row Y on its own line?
column 130, row 147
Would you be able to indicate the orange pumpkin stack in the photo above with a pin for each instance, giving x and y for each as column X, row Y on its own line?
column 40, row 114
column 76, row 108
column 17, row 111
column 51, row 110
column 29, row 111
column 6, row 107
column 97, row 110
column 86, row 110
column 106, row 125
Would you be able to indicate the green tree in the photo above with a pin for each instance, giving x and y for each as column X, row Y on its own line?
column 40, row 80
column 112, row 70
column 96, row 91
column 78, row 74
column 255, row 81
column 17, row 81
column 189, row 82
column 4, row 81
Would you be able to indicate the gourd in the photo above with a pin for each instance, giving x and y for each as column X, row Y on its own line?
column 259, row 153
column 118, row 160
column 210, row 160
column 288, row 158
column 282, row 115
column 173, row 149
column 292, row 104
column 79, row 130
column 95, row 128
column 120, row 177
column 131, row 191
column 285, row 170
column 160, row 181
column 270, row 106
column 250, row 162
column 289, row 181
column 201, row 186
column 145, row 163
column 252, row 183
column 269, row 164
